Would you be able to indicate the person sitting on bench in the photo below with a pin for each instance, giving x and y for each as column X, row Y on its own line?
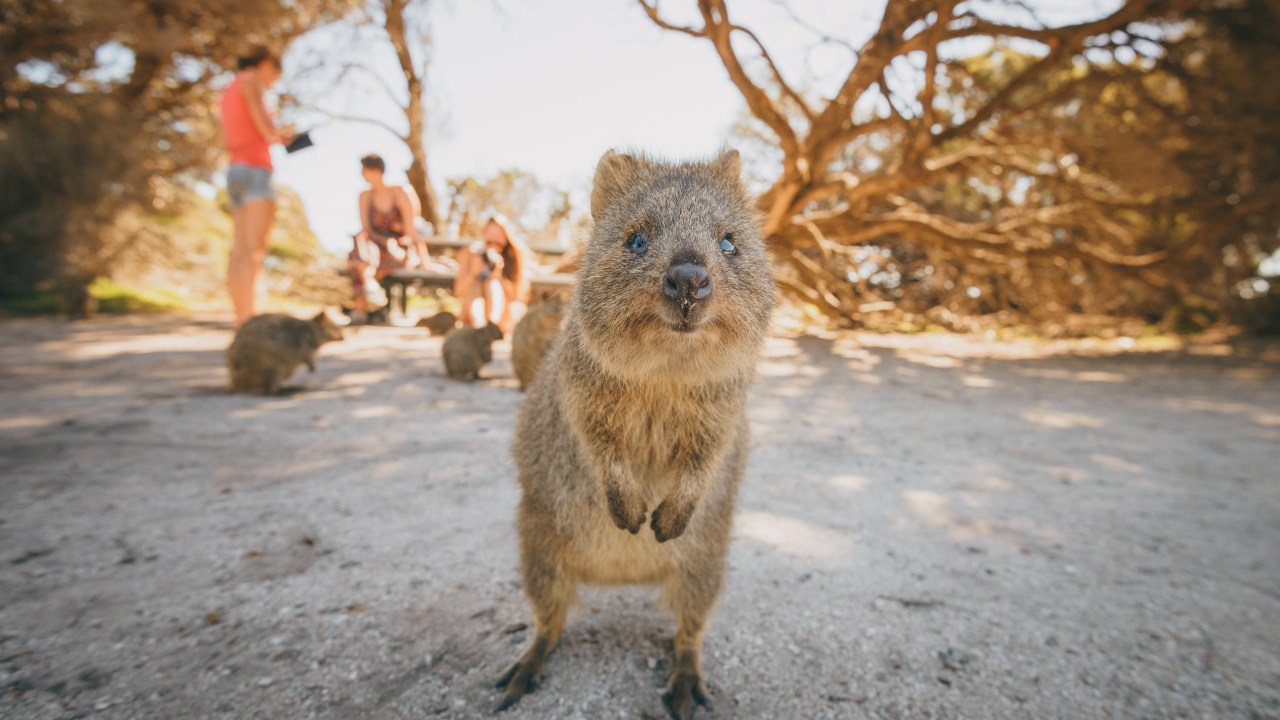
column 491, row 284
column 388, row 239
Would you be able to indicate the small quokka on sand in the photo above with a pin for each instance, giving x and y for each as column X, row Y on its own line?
column 467, row 349
column 440, row 323
column 269, row 348
column 633, row 439
column 533, row 337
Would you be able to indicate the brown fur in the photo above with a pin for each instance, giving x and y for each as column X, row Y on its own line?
column 440, row 323
column 533, row 336
column 467, row 349
column 269, row 348
column 638, row 412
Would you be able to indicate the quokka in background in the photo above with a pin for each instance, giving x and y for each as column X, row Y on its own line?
column 468, row 349
column 269, row 348
column 533, row 336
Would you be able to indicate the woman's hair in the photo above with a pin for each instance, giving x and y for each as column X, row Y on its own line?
column 513, row 255
column 257, row 55
column 373, row 162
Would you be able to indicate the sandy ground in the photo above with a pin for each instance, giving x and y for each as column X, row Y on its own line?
column 930, row 527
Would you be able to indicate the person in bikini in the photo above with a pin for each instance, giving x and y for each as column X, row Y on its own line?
column 388, row 239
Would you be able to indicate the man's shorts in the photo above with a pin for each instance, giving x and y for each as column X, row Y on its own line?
column 246, row 183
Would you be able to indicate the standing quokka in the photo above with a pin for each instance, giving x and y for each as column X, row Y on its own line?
column 269, row 348
column 638, row 413
column 533, row 336
column 442, row 323
column 467, row 349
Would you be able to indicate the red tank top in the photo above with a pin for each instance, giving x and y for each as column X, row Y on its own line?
column 243, row 139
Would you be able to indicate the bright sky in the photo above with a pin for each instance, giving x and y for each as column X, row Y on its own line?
column 546, row 87
column 549, row 86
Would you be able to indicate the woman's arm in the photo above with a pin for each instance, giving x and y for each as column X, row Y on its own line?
column 364, row 215
column 405, row 206
column 253, row 94
column 466, row 276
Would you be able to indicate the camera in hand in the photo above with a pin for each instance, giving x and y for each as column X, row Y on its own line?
column 301, row 141
column 492, row 263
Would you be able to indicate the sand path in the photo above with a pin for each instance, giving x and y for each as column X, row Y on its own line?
column 930, row 527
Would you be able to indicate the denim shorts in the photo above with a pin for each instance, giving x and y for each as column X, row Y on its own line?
column 246, row 183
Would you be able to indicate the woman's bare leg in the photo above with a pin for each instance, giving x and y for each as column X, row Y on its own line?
column 360, row 276
column 264, row 219
column 466, row 289
column 239, row 271
column 252, row 230
column 495, row 302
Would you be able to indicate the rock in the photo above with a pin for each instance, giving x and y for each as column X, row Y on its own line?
column 954, row 659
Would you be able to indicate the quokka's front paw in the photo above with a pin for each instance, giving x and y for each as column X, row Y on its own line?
column 683, row 691
column 670, row 519
column 626, row 508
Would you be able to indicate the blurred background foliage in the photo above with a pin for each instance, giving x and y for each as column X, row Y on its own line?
column 978, row 168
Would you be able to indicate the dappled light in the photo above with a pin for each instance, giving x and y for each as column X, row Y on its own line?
column 936, row 510
column 1062, row 420
column 1269, row 418
column 1115, row 463
column 1080, row 376
column 376, row 411
column 849, row 483
column 792, row 536
column 18, row 422
column 361, row 379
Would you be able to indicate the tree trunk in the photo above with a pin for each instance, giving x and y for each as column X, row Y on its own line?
column 415, row 112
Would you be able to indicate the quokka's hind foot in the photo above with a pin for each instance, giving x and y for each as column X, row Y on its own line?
column 684, row 690
column 270, row 382
column 524, row 675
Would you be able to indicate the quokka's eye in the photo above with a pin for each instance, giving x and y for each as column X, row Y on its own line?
column 726, row 245
column 637, row 243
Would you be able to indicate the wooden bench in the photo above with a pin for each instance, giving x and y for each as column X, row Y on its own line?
column 442, row 242
column 397, row 282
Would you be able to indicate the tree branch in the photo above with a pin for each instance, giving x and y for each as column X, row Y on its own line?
column 777, row 74
column 656, row 16
column 354, row 118
column 718, row 29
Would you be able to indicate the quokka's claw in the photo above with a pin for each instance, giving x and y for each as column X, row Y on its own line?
column 684, row 690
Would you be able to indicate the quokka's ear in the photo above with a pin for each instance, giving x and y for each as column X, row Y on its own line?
column 728, row 163
column 321, row 318
column 614, row 174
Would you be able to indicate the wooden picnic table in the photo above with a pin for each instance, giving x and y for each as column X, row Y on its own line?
column 397, row 282
column 444, row 242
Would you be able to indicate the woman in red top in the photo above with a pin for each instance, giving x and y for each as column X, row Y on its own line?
column 248, row 130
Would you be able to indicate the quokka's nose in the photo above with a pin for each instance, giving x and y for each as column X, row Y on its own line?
column 687, row 281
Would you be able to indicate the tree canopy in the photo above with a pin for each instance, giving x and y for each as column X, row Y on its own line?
column 100, row 99
column 978, row 161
